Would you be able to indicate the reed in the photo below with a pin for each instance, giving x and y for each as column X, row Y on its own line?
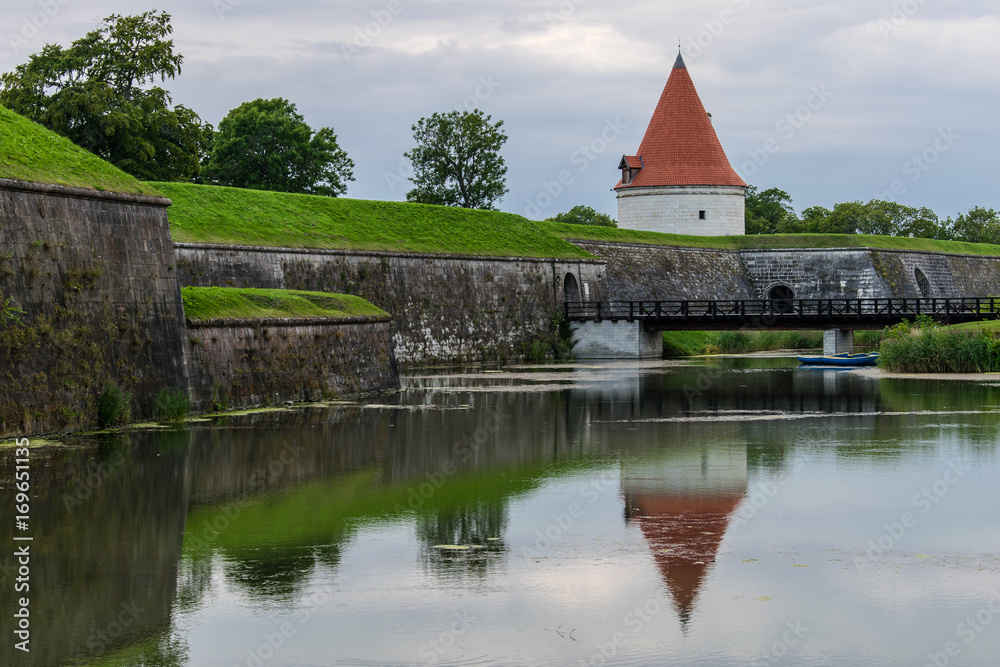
column 926, row 347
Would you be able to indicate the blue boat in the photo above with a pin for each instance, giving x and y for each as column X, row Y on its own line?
column 844, row 359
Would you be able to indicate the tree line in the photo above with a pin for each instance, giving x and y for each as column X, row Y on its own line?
column 102, row 93
column 770, row 212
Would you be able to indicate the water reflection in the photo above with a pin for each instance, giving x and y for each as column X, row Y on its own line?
column 682, row 498
column 108, row 526
column 192, row 534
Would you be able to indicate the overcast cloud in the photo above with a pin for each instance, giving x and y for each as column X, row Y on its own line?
column 831, row 101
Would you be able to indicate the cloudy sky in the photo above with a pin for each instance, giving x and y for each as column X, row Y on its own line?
column 830, row 101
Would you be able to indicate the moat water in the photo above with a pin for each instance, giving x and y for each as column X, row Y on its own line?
column 722, row 512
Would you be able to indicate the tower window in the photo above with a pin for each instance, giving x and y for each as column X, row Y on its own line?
column 701, row 215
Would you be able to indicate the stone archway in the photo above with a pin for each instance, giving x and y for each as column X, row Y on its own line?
column 571, row 288
column 781, row 298
column 922, row 283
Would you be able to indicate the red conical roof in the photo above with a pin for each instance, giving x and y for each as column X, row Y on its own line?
column 680, row 146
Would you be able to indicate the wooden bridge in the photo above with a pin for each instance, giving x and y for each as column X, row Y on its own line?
column 782, row 313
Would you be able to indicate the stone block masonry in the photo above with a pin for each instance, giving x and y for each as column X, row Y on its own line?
column 683, row 209
column 649, row 272
column 95, row 276
column 815, row 274
column 639, row 271
column 446, row 308
column 616, row 340
column 871, row 273
column 241, row 363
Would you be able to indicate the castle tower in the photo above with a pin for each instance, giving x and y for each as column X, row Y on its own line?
column 680, row 181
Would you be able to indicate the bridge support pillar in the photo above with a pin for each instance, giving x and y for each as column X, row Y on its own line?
column 838, row 341
column 616, row 340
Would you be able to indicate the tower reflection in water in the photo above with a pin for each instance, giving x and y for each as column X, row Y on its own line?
column 683, row 498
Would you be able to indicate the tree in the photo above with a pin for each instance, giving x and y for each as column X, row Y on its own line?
column 584, row 215
column 979, row 225
column 95, row 93
column 882, row 218
column 768, row 212
column 457, row 160
column 267, row 145
column 814, row 218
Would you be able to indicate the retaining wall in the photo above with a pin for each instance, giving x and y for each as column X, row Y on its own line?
column 94, row 273
column 446, row 308
column 636, row 271
column 240, row 363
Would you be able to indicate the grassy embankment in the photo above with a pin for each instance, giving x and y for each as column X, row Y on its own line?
column 208, row 214
column 29, row 152
column 770, row 241
column 207, row 303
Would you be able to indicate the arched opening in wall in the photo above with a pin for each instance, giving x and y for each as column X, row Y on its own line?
column 571, row 288
column 922, row 283
column 781, row 298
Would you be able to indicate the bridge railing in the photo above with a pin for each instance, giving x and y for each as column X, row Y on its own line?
column 783, row 309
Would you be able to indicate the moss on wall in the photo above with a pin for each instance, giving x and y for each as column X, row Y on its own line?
column 94, row 277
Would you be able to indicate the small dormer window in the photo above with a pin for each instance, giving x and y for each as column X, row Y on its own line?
column 630, row 165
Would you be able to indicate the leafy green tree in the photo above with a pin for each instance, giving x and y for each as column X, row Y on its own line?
column 457, row 160
column 768, row 211
column 979, row 225
column 97, row 94
column 584, row 215
column 814, row 219
column 881, row 218
column 267, row 145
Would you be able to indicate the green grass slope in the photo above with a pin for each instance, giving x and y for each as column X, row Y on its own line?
column 205, row 303
column 209, row 214
column 768, row 241
column 29, row 152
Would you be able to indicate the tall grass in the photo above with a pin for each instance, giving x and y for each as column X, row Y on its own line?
column 691, row 343
column 739, row 342
column 171, row 406
column 925, row 347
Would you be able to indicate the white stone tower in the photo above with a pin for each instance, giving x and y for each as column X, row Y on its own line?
column 680, row 182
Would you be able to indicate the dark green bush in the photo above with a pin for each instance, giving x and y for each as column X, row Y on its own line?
column 114, row 406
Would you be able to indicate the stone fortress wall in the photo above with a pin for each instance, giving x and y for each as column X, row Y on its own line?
column 446, row 308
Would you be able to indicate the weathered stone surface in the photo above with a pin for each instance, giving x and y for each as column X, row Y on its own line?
column 244, row 364
column 95, row 275
column 815, row 274
column 616, row 340
column 636, row 271
column 446, row 308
